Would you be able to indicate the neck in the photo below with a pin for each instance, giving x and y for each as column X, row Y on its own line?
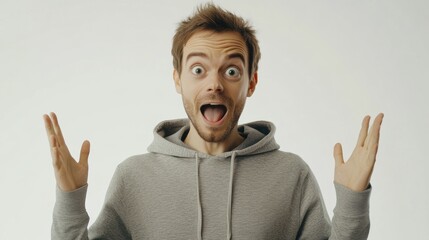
column 196, row 142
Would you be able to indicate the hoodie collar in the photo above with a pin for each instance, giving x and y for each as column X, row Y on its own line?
column 168, row 139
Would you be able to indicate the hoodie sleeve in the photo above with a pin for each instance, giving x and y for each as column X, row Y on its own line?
column 70, row 218
column 351, row 213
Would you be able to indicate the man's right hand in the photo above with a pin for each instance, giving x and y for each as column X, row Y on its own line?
column 70, row 175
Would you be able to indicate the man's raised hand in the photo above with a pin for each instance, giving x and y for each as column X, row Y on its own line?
column 69, row 174
column 356, row 173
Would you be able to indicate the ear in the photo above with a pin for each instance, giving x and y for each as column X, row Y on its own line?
column 177, row 83
column 252, row 84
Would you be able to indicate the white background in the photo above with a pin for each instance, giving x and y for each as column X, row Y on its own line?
column 105, row 67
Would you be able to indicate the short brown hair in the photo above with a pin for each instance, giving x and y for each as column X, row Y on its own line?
column 214, row 18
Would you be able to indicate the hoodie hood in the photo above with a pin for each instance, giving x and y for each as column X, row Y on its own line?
column 168, row 139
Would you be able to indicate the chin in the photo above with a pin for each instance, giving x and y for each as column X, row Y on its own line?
column 214, row 136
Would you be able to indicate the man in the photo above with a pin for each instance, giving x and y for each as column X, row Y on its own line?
column 206, row 177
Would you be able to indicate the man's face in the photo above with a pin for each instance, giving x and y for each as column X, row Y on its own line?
column 214, row 83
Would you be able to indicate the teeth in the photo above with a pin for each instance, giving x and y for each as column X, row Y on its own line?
column 214, row 104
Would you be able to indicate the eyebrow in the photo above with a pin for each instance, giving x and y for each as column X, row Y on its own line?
column 237, row 55
column 203, row 55
column 196, row 54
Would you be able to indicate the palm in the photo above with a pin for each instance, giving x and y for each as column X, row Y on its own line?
column 72, row 174
column 69, row 173
column 356, row 172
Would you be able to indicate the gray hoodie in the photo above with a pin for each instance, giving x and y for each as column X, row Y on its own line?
column 255, row 192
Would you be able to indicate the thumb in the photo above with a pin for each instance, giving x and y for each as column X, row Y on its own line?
column 338, row 154
column 84, row 153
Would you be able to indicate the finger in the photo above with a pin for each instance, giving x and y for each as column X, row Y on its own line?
column 57, row 129
column 56, row 162
column 48, row 127
column 374, row 136
column 84, row 153
column 371, row 129
column 363, row 131
column 338, row 154
column 52, row 143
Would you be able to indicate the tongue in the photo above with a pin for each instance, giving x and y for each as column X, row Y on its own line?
column 214, row 113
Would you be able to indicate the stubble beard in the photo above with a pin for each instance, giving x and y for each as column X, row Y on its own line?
column 193, row 111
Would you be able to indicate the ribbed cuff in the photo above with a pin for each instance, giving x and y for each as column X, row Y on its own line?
column 351, row 203
column 70, row 203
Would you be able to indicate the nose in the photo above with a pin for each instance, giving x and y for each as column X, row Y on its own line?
column 214, row 83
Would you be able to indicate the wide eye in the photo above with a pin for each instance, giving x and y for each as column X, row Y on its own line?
column 233, row 72
column 197, row 70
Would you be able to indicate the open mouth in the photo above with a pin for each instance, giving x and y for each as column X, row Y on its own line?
column 213, row 112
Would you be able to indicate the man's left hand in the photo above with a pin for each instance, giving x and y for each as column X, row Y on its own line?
column 356, row 173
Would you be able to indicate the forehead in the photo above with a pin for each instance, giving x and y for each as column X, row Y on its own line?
column 210, row 42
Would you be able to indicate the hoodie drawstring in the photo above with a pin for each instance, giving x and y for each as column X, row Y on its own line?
column 229, row 206
column 200, row 216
